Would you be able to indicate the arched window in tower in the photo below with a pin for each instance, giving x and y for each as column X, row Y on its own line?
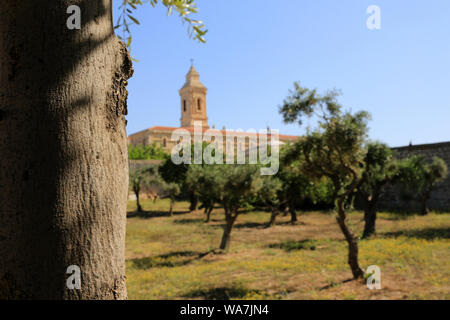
column 184, row 105
column 199, row 104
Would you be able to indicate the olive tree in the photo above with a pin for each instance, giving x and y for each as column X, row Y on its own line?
column 335, row 149
column 234, row 187
column 380, row 169
column 239, row 185
column 178, row 173
column 136, row 180
column 284, row 193
column 296, row 186
column 207, row 179
column 417, row 178
column 146, row 180
column 150, row 181
column 171, row 190
column 269, row 194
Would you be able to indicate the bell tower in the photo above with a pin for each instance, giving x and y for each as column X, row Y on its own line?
column 193, row 100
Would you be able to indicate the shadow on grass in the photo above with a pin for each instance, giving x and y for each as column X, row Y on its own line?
column 222, row 293
column 173, row 259
column 153, row 214
column 287, row 223
column 189, row 221
column 256, row 225
column 427, row 233
column 397, row 216
column 290, row 245
column 337, row 284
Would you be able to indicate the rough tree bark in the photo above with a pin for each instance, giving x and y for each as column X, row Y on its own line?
column 229, row 222
column 351, row 240
column 63, row 147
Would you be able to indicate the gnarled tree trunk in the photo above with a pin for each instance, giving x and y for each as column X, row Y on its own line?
column 351, row 240
column 63, row 151
column 229, row 222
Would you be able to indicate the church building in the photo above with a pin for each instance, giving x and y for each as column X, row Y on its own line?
column 193, row 110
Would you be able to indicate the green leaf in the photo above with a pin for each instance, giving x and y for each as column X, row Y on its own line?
column 133, row 19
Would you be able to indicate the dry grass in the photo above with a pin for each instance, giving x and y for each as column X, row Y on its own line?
column 173, row 258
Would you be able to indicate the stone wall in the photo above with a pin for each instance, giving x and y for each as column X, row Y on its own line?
column 138, row 164
column 440, row 196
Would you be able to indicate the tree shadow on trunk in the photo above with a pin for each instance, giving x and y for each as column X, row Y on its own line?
column 63, row 141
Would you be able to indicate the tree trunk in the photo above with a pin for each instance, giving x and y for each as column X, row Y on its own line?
column 273, row 217
column 225, row 243
column 171, row 207
column 194, row 202
column 351, row 240
column 293, row 213
column 208, row 214
column 63, row 147
column 424, row 211
column 138, row 202
column 370, row 216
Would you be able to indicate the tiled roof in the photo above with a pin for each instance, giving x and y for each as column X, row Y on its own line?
column 191, row 129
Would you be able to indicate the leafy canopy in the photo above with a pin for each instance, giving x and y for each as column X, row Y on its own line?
column 206, row 181
column 141, row 179
column 152, row 152
column 148, row 179
column 380, row 168
column 296, row 186
column 335, row 149
column 418, row 177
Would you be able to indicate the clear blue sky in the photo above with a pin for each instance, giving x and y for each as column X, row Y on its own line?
column 255, row 50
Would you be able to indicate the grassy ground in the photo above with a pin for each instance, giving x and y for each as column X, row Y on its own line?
column 173, row 258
